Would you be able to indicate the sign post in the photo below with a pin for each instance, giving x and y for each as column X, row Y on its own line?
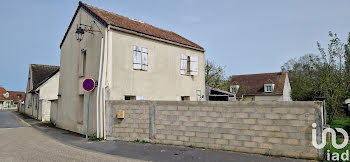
column 88, row 85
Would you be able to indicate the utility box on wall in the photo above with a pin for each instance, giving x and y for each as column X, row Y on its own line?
column 120, row 114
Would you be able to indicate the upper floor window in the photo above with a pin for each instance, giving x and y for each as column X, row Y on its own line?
column 234, row 88
column 268, row 88
column 140, row 58
column 82, row 64
column 188, row 65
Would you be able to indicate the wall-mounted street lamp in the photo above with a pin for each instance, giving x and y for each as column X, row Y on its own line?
column 79, row 34
column 82, row 28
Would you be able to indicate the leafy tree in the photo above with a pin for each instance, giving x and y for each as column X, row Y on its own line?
column 330, row 75
column 215, row 76
column 300, row 72
column 325, row 75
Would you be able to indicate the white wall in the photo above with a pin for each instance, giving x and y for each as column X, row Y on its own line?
column 49, row 89
column 287, row 90
column 72, row 103
column 162, row 80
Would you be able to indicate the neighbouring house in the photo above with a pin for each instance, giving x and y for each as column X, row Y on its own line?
column 214, row 94
column 42, row 88
column 130, row 60
column 261, row 87
column 10, row 99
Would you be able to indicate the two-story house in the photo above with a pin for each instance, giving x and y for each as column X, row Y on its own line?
column 261, row 87
column 129, row 60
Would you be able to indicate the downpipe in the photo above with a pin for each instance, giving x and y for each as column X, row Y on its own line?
column 98, row 91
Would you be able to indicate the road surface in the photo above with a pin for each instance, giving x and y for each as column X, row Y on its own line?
column 18, row 142
column 40, row 142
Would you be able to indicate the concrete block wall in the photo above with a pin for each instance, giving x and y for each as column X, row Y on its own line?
column 271, row 128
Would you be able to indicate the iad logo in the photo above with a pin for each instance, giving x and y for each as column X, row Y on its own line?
column 334, row 140
column 335, row 156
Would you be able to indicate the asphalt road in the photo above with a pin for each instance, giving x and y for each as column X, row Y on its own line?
column 8, row 120
column 19, row 142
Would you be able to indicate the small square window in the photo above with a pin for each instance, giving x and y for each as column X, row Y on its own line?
column 129, row 97
column 185, row 98
column 234, row 88
column 268, row 88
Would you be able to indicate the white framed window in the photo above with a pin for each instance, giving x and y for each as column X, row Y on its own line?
column 188, row 65
column 140, row 58
column 268, row 88
column 234, row 88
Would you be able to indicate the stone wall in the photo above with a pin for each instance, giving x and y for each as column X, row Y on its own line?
column 271, row 128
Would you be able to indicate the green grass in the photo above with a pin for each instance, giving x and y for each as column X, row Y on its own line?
column 333, row 150
column 94, row 138
column 343, row 122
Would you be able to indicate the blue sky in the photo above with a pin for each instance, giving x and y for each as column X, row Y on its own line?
column 245, row 36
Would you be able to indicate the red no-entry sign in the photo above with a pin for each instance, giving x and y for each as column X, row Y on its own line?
column 89, row 84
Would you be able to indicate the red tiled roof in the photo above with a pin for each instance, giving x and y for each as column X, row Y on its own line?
column 253, row 84
column 2, row 92
column 109, row 18
column 17, row 96
column 13, row 95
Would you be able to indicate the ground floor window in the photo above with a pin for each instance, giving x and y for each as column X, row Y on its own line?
column 129, row 97
column 185, row 98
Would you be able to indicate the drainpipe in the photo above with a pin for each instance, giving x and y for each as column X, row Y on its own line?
column 107, row 72
column 98, row 91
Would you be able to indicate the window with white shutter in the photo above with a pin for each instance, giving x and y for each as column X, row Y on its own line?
column 144, row 58
column 183, row 64
column 194, row 65
column 137, row 57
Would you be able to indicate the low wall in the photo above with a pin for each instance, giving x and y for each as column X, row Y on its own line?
column 271, row 128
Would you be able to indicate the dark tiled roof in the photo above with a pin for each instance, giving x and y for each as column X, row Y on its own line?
column 109, row 18
column 253, row 84
column 41, row 73
column 17, row 96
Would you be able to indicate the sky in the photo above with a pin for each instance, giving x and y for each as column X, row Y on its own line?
column 244, row 36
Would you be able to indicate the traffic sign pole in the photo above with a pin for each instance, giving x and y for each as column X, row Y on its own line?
column 87, row 116
column 88, row 85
